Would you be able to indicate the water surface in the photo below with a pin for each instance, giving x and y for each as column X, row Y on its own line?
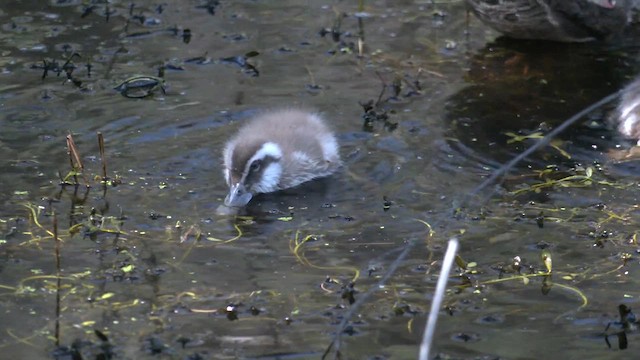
column 167, row 277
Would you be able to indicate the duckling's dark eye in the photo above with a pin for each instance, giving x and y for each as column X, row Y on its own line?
column 255, row 165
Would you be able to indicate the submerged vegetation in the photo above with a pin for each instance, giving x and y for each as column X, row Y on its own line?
column 124, row 261
column 473, row 279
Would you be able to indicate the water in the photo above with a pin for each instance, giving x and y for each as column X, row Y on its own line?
column 162, row 287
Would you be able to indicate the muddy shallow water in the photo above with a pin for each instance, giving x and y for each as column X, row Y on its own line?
column 150, row 266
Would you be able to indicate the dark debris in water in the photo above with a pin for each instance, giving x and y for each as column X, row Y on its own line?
column 242, row 61
column 186, row 36
column 154, row 345
column 85, row 349
column 198, row 60
column 628, row 322
column 350, row 330
column 540, row 219
column 386, row 203
column 67, row 353
column 155, row 216
column 342, row 217
column 55, row 67
column 235, row 37
column 232, row 312
column 209, row 5
column 349, row 293
column 373, row 114
column 466, row 337
column 400, row 309
column 376, row 112
column 183, row 341
column 198, row 356
column 335, row 30
column 491, row 319
column 105, row 11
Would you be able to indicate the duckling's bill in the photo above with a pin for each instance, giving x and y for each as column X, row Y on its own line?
column 238, row 196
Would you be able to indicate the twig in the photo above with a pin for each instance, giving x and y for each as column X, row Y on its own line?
column 384, row 88
column 74, row 157
column 76, row 162
column 102, row 157
column 360, row 36
column 430, row 327
column 58, row 277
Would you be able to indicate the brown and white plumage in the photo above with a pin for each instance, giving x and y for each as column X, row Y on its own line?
column 277, row 150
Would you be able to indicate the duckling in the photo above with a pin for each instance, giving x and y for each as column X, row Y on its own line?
column 278, row 150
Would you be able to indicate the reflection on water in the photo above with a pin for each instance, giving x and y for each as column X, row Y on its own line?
column 150, row 265
column 522, row 88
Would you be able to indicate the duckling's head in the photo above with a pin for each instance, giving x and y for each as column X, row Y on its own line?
column 251, row 168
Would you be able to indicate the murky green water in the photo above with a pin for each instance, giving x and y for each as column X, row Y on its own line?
column 158, row 279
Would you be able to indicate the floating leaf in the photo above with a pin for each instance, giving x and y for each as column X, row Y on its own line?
column 519, row 138
column 106, row 296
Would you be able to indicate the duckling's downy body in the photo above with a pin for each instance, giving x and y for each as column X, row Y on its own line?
column 277, row 150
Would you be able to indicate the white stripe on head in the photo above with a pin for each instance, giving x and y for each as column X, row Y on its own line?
column 227, row 176
column 227, row 160
column 228, row 152
column 268, row 149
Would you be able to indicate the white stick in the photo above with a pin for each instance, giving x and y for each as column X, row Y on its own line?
column 441, row 287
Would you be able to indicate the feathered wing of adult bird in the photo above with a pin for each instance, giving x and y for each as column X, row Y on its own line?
column 557, row 20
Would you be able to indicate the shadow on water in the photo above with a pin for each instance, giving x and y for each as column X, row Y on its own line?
column 521, row 88
column 424, row 108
